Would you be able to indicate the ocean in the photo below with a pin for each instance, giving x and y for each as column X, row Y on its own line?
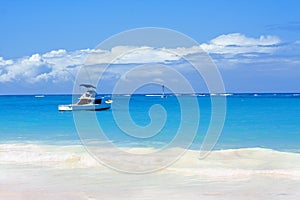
column 40, row 148
column 269, row 121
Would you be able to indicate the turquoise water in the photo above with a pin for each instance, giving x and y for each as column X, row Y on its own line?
column 264, row 120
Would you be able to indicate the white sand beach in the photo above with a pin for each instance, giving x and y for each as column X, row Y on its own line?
column 57, row 172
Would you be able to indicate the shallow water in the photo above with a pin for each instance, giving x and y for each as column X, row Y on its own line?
column 267, row 121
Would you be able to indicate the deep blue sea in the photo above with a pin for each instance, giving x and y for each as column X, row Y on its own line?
column 252, row 120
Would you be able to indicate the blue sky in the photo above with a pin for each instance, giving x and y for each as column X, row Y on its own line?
column 31, row 29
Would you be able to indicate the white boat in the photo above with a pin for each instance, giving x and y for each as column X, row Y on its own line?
column 89, row 100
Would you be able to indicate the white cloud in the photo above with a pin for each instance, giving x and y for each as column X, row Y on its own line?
column 58, row 65
column 29, row 68
column 130, row 55
column 55, row 53
column 147, row 55
column 237, row 43
column 5, row 62
column 241, row 40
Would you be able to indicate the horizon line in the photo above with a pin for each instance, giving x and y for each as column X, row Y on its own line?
column 198, row 93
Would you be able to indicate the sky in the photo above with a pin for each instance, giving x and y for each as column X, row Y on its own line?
column 254, row 44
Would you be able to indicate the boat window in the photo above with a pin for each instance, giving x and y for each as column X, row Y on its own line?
column 98, row 101
column 84, row 101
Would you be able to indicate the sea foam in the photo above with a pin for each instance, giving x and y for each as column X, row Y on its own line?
column 222, row 163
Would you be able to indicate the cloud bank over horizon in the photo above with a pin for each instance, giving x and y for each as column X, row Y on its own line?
column 233, row 53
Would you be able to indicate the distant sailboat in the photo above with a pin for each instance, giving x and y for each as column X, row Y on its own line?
column 163, row 92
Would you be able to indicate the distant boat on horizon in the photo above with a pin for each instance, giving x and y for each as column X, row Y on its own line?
column 163, row 92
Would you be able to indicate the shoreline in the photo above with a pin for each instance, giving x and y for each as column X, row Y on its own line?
column 78, row 156
column 68, row 172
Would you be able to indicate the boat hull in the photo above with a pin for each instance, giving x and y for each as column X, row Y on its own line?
column 92, row 107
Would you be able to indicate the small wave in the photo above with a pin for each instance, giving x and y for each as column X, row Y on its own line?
column 46, row 155
column 220, row 163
